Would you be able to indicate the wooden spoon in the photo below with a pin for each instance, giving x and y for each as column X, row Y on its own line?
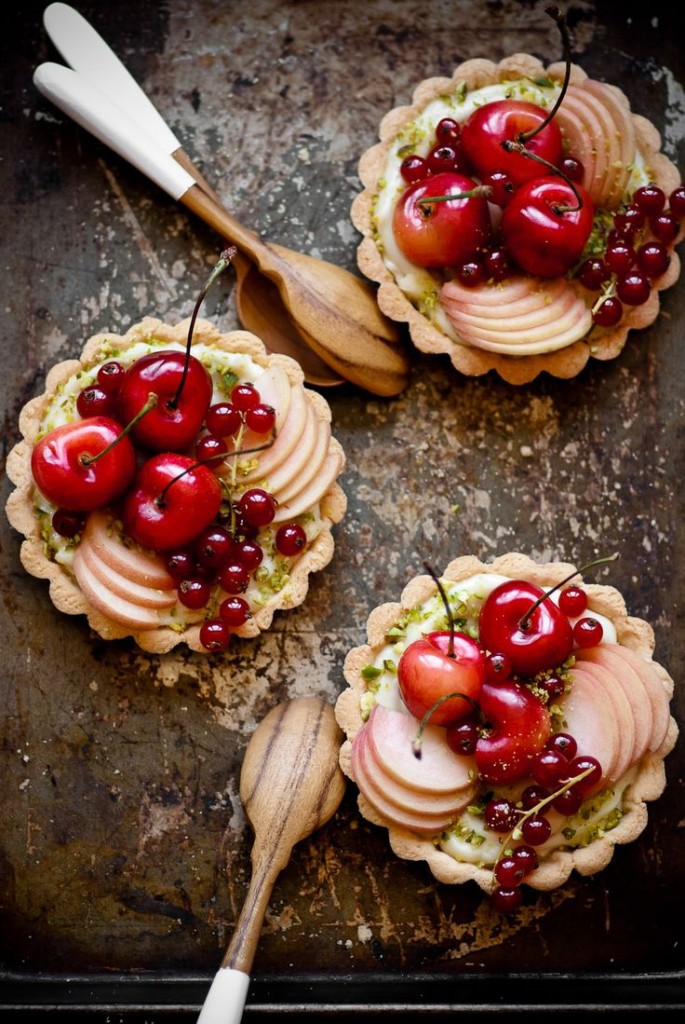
column 315, row 304
column 290, row 785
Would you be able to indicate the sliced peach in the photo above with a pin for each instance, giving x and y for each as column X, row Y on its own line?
column 123, row 586
column 438, row 770
column 286, row 438
column 104, row 600
column 589, row 717
column 289, row 489
column 623, row 712
column 655, row 690
column 635, row 692
column 143, row 567
column 313, row 492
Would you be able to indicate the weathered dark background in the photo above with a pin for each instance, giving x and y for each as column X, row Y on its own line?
column 124, row 852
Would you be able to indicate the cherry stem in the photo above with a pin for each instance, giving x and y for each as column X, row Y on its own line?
column 159, row 501
column 558, row 208
column 416, row 744
column 475, row 193
column 448, row 607
column 524, row 623
column 223, row 262
column 556, row 14
column 90, row 460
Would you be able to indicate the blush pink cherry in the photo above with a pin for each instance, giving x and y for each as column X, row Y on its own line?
column 428, row 672
column 67, row 472
column 172, row 501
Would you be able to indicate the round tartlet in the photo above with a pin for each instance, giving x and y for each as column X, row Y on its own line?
column 620, row 151
column 123, row 589
column 461, row 847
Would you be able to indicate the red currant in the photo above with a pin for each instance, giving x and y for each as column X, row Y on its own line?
column 665, row 227
column 581, row 764
column 629, row 221
column 290, row 539
column 96, row 401
column 588, row 632
column 497, row 667
column 234, row 611
column 573, row 601
column 509, row 872
column 249, row 554
column 553, row 687
column 180, row 565
column 223, row 419
column 257, row 507
column 448, row 129
column 593, row 273
column 462, row 737
column 413, row 168
column 619, row 256
column 214, row 547
column 653, row 259
column 608, row 313
column 536, row 830
column 211, row 449
column 244, row 397
column 214, row 635
column 444, row 157
column 497, row 264
column 502, row 187
column 67, row 524
column 633, row 289
column 470, row 273
column 568, row 802
column 234, row 578
column 549, row 767
column 261, row 418
column 194, row 592
column 500, row 815
column 532, row 796
column 563, row 743
column 676, row 202
column 110, row 375
column 650, row 199
column 506, row 900
column 526, row 857
column 572, row 168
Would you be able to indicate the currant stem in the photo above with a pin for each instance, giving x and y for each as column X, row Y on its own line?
column 524, row 623
column 418, row 739
column 90, row 460
column 223, row 262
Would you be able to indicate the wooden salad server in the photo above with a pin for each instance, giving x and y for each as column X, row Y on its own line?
column 320, row 314
column 290, row 785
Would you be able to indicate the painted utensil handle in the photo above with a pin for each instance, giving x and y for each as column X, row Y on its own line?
column 108, row 123
column 226, row 997
column 88, row 53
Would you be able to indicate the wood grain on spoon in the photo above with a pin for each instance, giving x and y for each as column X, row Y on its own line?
column 336, row 311
column 290, row 785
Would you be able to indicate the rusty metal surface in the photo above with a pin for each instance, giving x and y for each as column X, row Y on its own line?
column 123, row 846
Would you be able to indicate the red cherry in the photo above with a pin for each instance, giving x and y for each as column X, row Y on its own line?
column 545, row 228
column 174, row 423
column 445, row 233
column 436, row 665
column 488, row 128
column 67, row 472
column 173, row 499
column 533, row 636
column 519, row 727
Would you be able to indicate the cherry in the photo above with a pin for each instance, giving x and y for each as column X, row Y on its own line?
column 519, row 728
column 441, row 666
column 290, row 539
column 172, row 500
column 546, row 225
column 520, row 621
column 84, row 465
column 444, row 232
column 175, row 422
column 488, row 129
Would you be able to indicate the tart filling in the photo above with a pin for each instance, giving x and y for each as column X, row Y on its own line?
column 125, row 588
column 545, row 323
column 466, row 809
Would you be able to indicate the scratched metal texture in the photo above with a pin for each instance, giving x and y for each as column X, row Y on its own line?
column 124, row 852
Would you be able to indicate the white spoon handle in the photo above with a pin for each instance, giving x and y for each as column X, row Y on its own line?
column 87, row 52
column 226, row 997
column 107, row 122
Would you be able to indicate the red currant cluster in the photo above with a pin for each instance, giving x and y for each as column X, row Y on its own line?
column 636, row 252
column 562, row 781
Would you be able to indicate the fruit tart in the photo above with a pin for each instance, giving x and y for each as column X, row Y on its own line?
column 176, row 484
column 506, row 723
column 519, row 218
